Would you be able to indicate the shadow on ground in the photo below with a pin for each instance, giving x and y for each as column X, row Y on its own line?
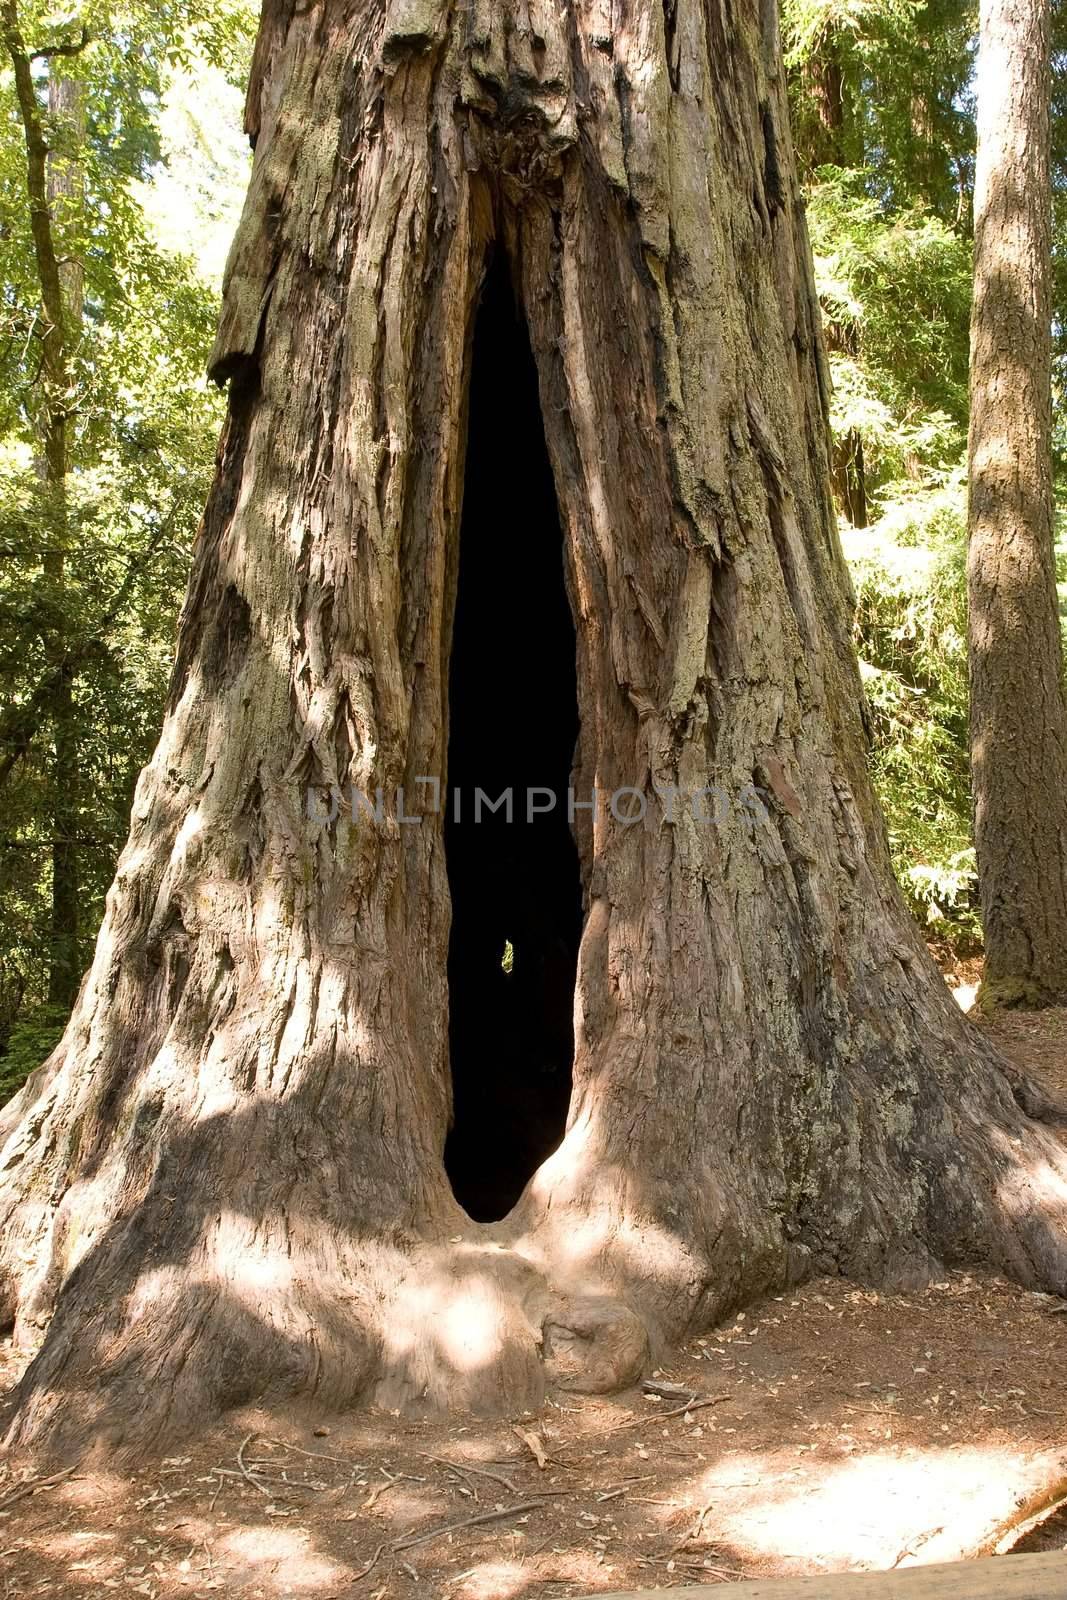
column 845, row 1429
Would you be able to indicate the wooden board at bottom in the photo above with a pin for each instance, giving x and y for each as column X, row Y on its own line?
column 1039, row 1577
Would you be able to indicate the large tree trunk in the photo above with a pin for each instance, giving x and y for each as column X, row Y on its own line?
column 1018, row 713
column 229, row 1179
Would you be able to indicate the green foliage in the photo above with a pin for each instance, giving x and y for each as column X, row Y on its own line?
column 97, row 582
column 911, row 632
column 31, row 1041
column 895, row 288
column 883, row 86
column 883, row 111
column 809, row 24
column 896, row 294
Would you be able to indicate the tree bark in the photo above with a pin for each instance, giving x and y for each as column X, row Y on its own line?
column 1018, row 713
column 228, row 1181
column 65, row 199
column 824, row 83
column 850, row 477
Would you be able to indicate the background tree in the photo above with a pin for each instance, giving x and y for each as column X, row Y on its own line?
column 239, row 1142
column 1018, row 712
column 890, row 214
column 53, row 189
column 107, row 435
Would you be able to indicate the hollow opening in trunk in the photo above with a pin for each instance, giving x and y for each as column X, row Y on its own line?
column 513, row 722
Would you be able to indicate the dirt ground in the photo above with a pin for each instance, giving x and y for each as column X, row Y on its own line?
column 830, row 1428
column 1037, row 1042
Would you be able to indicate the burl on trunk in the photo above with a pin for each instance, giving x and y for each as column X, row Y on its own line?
column 230, row 1179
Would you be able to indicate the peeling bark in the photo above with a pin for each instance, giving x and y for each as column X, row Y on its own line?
column 228, row 1181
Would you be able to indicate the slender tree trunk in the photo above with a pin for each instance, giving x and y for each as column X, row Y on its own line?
column 850, row 477
column 827, row 90
column 1018, row 714
column 64, row 973
column 229, row 1179
column 65, row 195
column 53, row 184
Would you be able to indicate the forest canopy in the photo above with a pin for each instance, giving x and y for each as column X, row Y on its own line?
column 146, row 126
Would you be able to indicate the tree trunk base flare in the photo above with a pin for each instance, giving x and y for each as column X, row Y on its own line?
column 228, row 1182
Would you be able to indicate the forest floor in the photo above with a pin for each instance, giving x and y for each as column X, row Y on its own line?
column 831, row 1428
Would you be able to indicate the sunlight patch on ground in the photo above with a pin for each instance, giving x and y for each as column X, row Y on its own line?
column 848, row 1429
column 965, row 995
column 293, row 1566
column 74, row 1546
column 493, row 1580
column 85, row 1490
column 503, row 1579
column 881, row 1509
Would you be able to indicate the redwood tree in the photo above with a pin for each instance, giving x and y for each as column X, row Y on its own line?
column 1018, row 712
column 229, row 1179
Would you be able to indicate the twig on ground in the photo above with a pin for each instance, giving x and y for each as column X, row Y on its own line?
column 533, row 1443
column 667, row 1391
column 612, row 1490
column 694, row 1532
column 661, row 1416
column 245, row 1471
column 916, row 1544
column 412, row 1539
column 465, row 1466
column 317, row 1455
column 712, row 1574
column 371, row 1564
column 391, row 1480
column 32, row 1485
